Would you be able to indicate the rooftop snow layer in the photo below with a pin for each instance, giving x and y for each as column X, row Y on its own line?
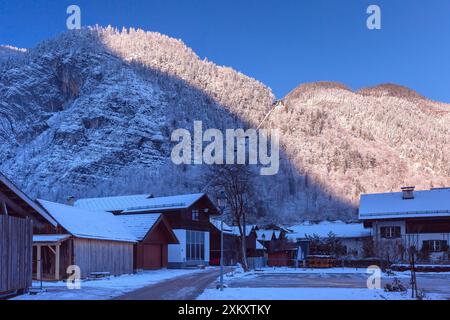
column 323, row 229
column 139, row 224
column 88, row 224
column 139, row 203
column 430, row 203
column 43, row 238
column 233, row 230
column 266, row 235
column 217, row 224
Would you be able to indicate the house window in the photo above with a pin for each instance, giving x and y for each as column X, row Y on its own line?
column 195, row 245
column 195, row 215
column 435, row 245
column 390, row 232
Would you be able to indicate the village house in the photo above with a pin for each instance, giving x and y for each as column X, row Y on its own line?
column 187, row 215
column 401, row 220
column 231, row 242
column 351, row 236
column 272, row 244
column 154, row 235
column 95, row 241
column 18, row 215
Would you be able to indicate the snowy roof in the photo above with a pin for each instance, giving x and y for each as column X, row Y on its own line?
column 430, row 203
column 323, row 229
column 234, row 230
column 259, row 246
column 139, row 224
column 139, row 203
column 248, row 230
column 265, row 235
column 88, row 224
column 45, row 238
column 217, row 224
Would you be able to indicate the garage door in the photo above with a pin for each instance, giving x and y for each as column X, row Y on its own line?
column 153, row 256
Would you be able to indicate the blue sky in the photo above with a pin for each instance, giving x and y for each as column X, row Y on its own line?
column 282, row 43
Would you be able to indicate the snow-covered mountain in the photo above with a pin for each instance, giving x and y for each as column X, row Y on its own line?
column 90, row 113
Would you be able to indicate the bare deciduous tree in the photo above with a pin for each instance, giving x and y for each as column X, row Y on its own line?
column 235, row 181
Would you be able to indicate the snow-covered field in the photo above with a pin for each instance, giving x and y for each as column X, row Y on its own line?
column 264, row 284
column 105, row 288
column 361, row 271
column 313, row 271
column 303, row 294
column 248, row 286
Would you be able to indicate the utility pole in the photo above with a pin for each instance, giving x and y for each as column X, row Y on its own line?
column 222, row 203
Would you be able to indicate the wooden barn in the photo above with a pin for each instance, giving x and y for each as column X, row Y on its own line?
column 154, row 236
column 96, row 242
column 188, row 216
column 18, row 215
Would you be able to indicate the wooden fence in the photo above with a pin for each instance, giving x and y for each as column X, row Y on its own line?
column 16, row 253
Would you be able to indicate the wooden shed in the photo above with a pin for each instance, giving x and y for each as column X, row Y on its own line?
column 154, row 235
column 18, row 215
column 95, row 241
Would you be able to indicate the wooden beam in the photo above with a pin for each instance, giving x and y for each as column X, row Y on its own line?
column 38, row 267
column 51, row 249
column 14, row 206
column 57, row 261
column 4, row 208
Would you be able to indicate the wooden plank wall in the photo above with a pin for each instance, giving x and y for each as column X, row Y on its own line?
column 103, row 256
column 16, row 252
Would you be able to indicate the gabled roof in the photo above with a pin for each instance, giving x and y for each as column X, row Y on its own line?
column 264, row 235
column 217, row 224
column 260, row 246
column 139, row 224
column 88, row 224
column 338, row 228
column 429, row 203
column 139, row 203
column 34, row 209
column 248, row 230
column 232, row 230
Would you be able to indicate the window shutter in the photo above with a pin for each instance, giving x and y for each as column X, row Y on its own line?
column 426, row 245
column 444, row 245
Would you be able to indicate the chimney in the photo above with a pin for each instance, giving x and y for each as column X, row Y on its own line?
column 70, row 201
column 408, row 193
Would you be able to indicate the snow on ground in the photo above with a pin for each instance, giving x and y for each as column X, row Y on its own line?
column 303, row 294
column 285, row 270
column 280, row 293
column 105, row 288
column 238, row 273
column 308, row 270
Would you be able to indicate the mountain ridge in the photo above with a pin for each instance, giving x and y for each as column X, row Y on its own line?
column 90, row 111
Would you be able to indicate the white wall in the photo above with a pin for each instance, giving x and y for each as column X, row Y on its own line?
column 207, row 238
column 177, row 252
column 380, row 224
column 353, row 244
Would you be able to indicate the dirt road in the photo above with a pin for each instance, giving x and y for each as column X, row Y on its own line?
column 181, row 288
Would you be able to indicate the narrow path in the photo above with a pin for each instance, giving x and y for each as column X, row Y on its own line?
column 181, row 288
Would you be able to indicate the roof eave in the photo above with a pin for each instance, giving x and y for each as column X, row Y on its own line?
column 34, row 205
